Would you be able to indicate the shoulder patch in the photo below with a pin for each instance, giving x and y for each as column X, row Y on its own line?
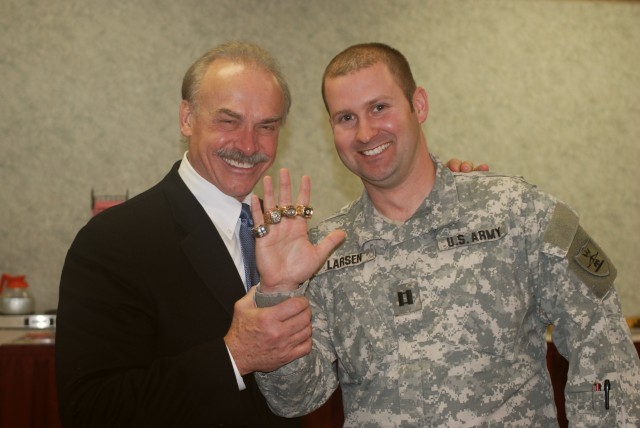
column 591, row 264
column 561, row 229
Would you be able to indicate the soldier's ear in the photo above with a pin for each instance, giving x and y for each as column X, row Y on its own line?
column 420, row 102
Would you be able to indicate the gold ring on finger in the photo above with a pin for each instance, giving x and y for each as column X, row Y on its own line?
column 288, row 211
column 272, row 216
column 304, row 211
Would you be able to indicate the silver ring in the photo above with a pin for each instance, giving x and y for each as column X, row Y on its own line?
column 260, row 231
column 272, row 216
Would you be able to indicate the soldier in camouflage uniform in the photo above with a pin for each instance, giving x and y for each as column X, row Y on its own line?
column 437, row 315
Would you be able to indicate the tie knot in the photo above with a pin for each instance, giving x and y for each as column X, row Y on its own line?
column 245, row 215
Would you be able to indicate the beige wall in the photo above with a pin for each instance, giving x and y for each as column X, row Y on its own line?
column 89, row 92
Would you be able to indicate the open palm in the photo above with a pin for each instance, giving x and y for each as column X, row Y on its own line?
column 285, row 256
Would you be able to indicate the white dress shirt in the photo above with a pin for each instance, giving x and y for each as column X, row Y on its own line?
column 224, row 212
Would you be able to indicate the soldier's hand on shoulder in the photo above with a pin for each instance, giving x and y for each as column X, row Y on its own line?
column 457, row 165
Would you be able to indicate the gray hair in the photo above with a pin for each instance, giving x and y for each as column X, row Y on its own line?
column 242, row 52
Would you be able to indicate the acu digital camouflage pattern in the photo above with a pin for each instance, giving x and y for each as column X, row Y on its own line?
column 441, row 321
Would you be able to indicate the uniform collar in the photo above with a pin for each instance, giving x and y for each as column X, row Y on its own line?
column 439, row 209
column 441, row 204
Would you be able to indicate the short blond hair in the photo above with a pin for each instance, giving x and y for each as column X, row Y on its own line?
column 365, row 55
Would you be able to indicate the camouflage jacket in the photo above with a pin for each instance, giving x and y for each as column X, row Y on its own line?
column 442, row 320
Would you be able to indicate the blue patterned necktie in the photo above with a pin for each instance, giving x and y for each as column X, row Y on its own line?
column 248, row 245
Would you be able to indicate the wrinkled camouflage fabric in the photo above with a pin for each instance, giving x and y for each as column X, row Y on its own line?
column 441, row 321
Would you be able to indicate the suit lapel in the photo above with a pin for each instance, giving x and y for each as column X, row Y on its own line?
column 202, row 244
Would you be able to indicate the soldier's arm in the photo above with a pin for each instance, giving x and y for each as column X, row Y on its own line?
column 580, row 300
column 305, row 384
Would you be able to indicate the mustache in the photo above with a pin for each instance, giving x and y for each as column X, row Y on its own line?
column 240, row 157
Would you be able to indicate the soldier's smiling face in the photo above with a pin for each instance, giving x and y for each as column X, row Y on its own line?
column 376, row 132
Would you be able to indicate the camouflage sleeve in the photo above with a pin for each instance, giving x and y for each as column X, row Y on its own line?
column 265, row 300
column 303, row 385
column 576, row 283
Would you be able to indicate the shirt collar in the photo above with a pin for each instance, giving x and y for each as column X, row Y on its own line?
column 222, row 209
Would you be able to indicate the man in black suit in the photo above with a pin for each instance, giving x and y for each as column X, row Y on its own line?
column 155, row 327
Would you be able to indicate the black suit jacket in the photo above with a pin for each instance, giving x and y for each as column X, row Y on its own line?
column 146, row 297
